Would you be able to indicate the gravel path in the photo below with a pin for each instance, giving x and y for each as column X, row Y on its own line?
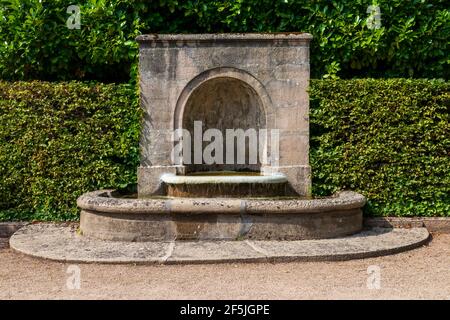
column 422, row 273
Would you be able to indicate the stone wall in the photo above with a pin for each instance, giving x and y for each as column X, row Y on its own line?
column 274, row 67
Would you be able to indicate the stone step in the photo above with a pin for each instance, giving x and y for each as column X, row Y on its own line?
column 63, row 243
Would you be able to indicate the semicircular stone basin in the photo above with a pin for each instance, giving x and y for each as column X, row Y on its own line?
column 107, row 215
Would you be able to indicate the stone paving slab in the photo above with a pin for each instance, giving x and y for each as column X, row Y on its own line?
column 433, row 224
column 213, row 251
column 369, row 243
column 63, row 243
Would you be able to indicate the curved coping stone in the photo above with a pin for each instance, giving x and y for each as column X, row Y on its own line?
column 104, row 201
column 214, row 37
column 63, row 243
column 171, row 178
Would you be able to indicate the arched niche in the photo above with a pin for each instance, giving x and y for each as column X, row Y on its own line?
column 223, row 98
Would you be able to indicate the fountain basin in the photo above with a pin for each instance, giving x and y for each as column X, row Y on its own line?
column 221, row 178
column 105, row 215
column 225, row 185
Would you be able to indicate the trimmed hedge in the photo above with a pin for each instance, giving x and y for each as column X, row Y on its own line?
column 388, row 139
column 58, row 140
column 36, row 43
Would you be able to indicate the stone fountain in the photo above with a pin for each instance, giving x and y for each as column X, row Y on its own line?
column 223, row 81
column 236, row 201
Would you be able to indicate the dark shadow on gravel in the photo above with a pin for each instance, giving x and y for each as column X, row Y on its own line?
column 4, row 243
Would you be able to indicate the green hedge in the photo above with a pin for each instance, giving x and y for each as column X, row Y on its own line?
column 389, row 139
column 36, row 43
column 58, row 140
